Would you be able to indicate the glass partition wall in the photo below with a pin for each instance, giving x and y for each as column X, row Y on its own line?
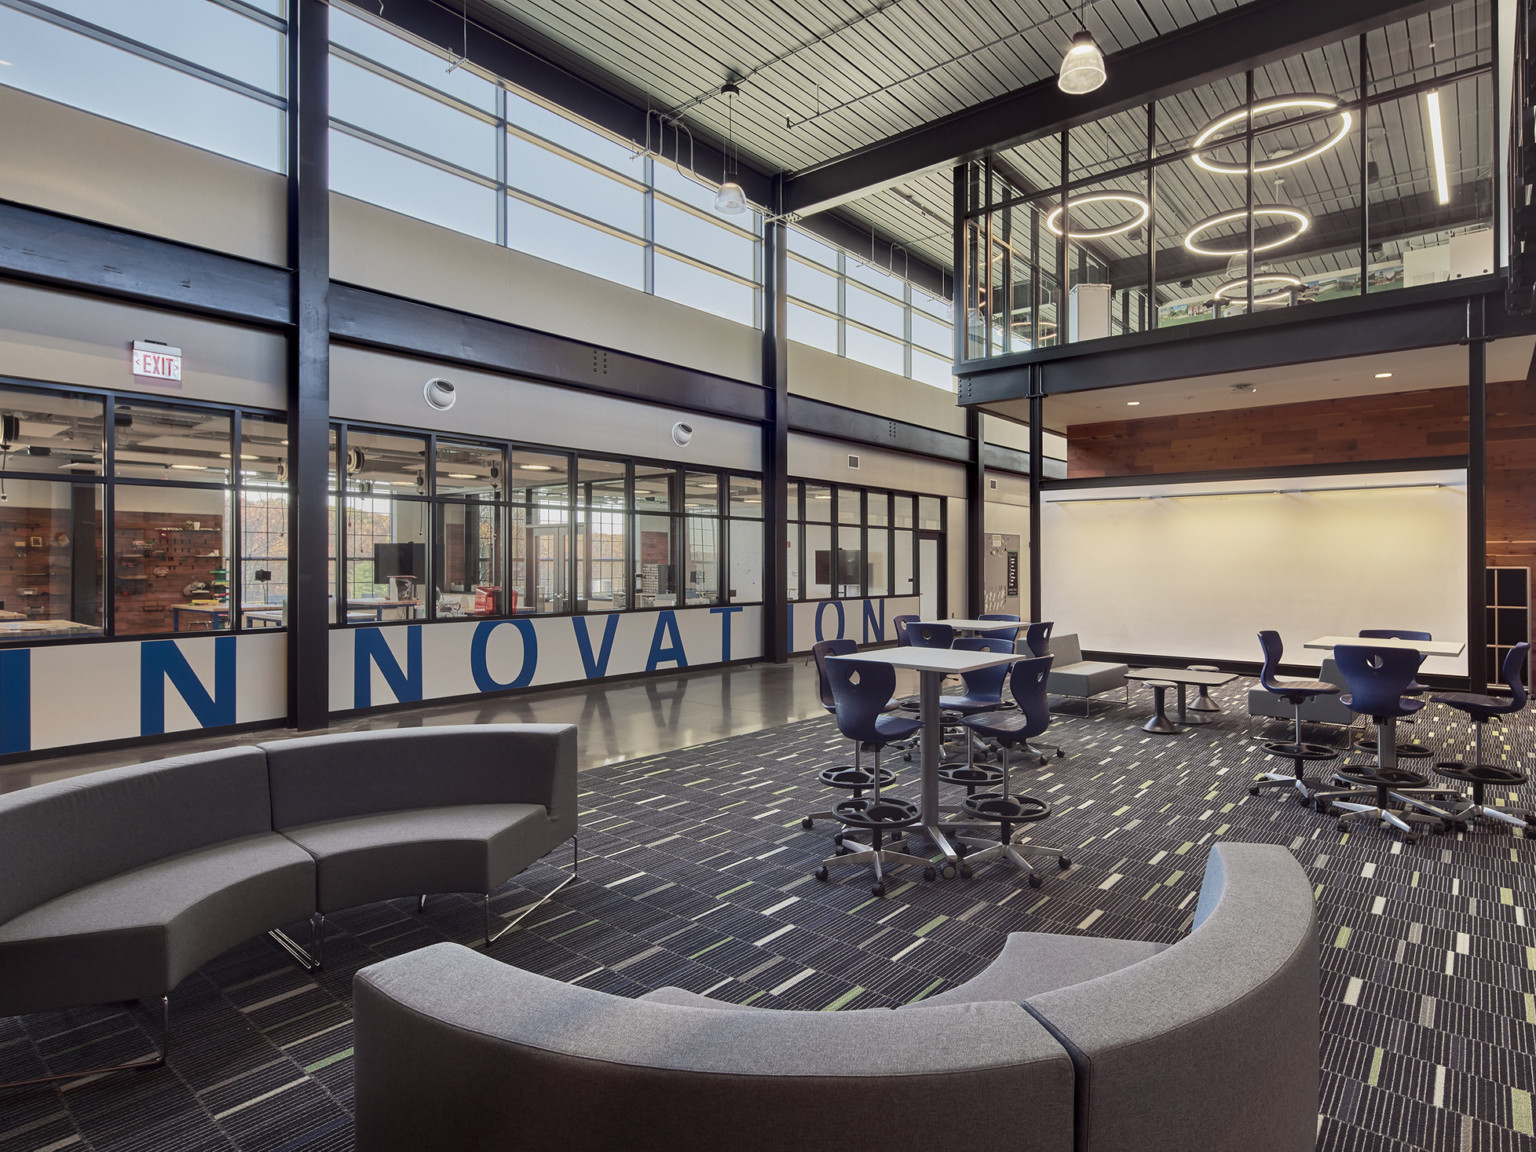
column 847, row 543
column 1357, row 167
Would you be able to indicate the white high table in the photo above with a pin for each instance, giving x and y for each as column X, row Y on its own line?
column 932, row 665
column 978, row 626
column 1423, row 647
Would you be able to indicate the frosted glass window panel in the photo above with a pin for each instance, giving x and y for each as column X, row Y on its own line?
column 560, row 181
column 63, row 66
column 567, row 133
column 938, row 371
column 935, row 335
column 802, row 245
column 397, row 113
column 813, row 328
column 390, row 180
column 813, row 285
column 746, row 572
column 877, row 565
column 562, row 240
column 396, row 52
column 935, row 306
column 876, row 278
column 902, row 552
column 876, row 351
column 196, row 30
column 875, row 311
column 705, row 240
column 703, row 290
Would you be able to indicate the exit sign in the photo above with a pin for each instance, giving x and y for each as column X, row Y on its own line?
column 156, row 361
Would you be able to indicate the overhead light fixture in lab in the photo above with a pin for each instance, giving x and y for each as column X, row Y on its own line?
column 1437, row 147
column 1383, row 375
column 1133, row 403
column 730, row 200
column 1139, row 203
column 1300, row 219
column 1277, row 289
column 1082, row 68
column 1309, row 102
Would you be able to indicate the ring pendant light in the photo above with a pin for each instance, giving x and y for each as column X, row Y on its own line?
column 1301, row 219
column 1259, row 108
column 1287, row 282
column 1142, row 205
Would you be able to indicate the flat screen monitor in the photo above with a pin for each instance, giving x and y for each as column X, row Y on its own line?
column 407, row 559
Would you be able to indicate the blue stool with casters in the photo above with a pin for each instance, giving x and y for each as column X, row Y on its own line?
column 1376, row 678
column 1366, row 743
column 860, row 689
column 983, row 693
column 1009, row 634
column 900, row 624
column 1295, row 693
column 1006, row 808
column 853, row 777
column 1481, row 710
column 1037, row 637
column 922, row 635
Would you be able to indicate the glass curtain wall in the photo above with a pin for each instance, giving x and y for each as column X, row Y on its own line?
column 1356, row 167
column 848, row 542
column 208, row 74
column 438, row 527
column 457, row 148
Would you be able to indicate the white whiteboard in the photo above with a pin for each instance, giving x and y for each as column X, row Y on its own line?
column 1191, row 571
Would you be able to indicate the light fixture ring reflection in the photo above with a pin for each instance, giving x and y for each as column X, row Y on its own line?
column 1118, row 196
column 1303, row 222
column 1306, row 100
column 1285, row 280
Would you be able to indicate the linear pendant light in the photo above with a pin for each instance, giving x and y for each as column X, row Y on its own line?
column 1437, row 145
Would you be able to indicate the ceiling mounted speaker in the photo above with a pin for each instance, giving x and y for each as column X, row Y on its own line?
column 682, row 434
column 282, row 471
column 355, row 460
column 421, row 481
column 439, row 393
column 10, row 430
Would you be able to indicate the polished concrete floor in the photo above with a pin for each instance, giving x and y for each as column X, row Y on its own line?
column 614, row 721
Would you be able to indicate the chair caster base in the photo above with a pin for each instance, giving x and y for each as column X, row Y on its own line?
column 878, row 891
column 930, row 874
column 965, row 872
column 821, row 873
column 1034, row 880
column 807, row 823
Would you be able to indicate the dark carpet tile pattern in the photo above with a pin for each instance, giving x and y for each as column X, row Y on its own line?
column 696, row 872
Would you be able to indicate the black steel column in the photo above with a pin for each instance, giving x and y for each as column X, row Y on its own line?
column 775, row 442
column 1036, row 474
column 976, row 514
column 309, row 388
column 1477, row 515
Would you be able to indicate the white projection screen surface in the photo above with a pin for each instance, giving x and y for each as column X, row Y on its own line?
column 1190, row 571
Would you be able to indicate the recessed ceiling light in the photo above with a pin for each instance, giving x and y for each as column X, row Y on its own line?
column 1132, row 403
column 1383, row 375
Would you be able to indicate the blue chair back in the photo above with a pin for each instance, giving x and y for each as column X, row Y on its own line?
column 1269, row 640
column 820, row 651
column 1513, row 662
column 900, row 624
column 1027, row 683
column 1392, row 634
column 1037, row 637
column 930, row 635
column 860, row 689
column 1001, row 633
column 1376, row 677
column 985, row 683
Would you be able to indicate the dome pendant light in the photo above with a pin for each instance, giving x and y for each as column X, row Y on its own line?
column 1082, row 68
column 730, row 200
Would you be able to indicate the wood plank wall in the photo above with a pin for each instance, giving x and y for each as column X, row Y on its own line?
column 1346, row 430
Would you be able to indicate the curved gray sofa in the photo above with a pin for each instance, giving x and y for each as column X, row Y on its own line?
column 1096, row 1045
column 115, row 886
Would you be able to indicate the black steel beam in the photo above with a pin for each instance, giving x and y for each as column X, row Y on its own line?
column 1036, row 480
column 1000, row 459
column 378, row 320
column 1477, row 515
column 976, row 515
column 776, row 443
column 309, row 359
column 1245, row 37
column 505, row 46
column 63, row 252
column 822, row 419
column 1407, row 318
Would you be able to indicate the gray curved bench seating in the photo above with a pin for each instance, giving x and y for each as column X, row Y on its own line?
column 456, row 1050
column 408, row 811
column 1210, row 1043
column 114, row 886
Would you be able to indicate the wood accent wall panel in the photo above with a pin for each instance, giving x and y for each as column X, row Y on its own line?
column 1512, row 474
column 1341, row 431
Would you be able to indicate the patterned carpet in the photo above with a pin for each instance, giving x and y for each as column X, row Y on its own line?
column 696, row 872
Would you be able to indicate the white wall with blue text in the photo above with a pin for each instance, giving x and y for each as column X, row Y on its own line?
column 867, row 621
